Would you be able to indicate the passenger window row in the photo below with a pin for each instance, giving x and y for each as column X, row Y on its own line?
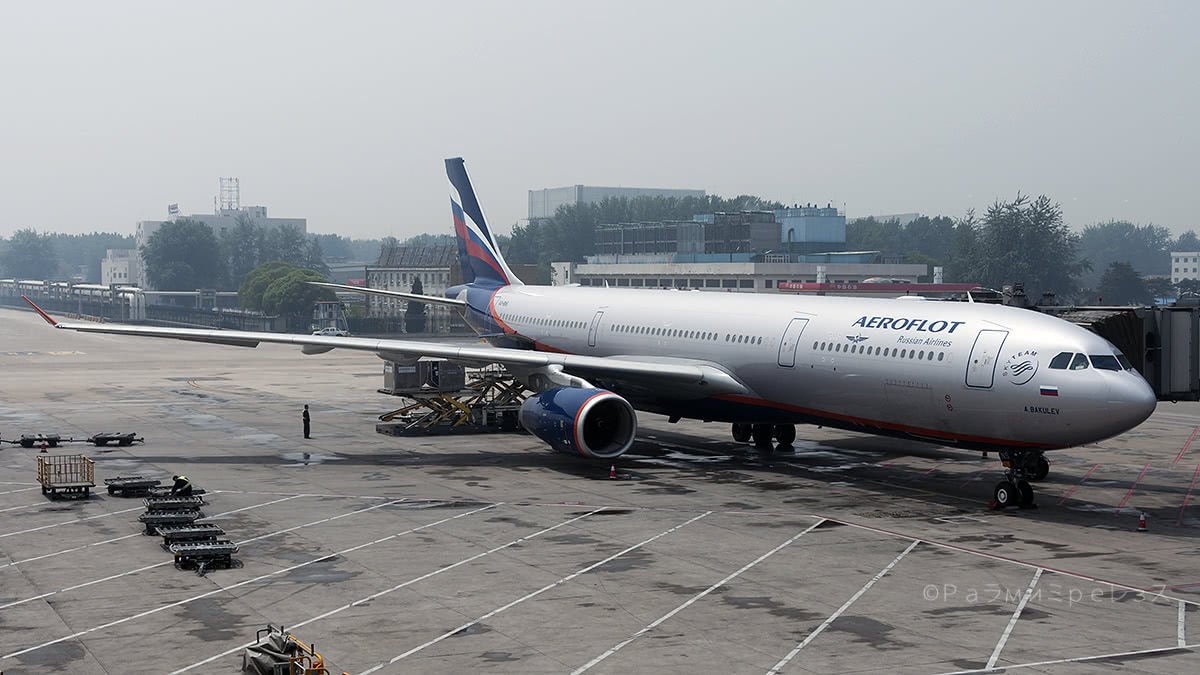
column 541, row 321
column 1074, row 361
column 871, row 350
column 663, row 332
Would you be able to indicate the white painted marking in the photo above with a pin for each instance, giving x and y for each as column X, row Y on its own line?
column 534, row 594
column 846, row 605
column 201, row 596
column 25, row 506
column 1020, row 563
column 657, row 622
column 1181, row 628
column 135, row 534
column 1075, row 659
column 122, row 574
column 71, row 522
column 12, row 482
column 397, row 587
column 1012, row 623
column 9, row 492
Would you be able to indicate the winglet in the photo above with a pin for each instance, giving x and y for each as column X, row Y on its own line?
column 49, row 319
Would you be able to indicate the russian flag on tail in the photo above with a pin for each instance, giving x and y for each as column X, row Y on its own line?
column 1049, row 391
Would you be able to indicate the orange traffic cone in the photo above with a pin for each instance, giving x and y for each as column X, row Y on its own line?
column 1142, row 522
column 612, row 472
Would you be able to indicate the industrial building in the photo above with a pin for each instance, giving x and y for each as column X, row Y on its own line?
column 746, row 251
column 399, row 267
column 227, row 211
column 543, row 203
column 1184, row 265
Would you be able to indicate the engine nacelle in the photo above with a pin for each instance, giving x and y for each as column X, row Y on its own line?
column 593, row 423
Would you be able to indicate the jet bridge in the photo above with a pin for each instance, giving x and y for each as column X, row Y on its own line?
column 1162, row 342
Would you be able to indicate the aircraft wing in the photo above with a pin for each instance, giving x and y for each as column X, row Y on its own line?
column 683, row 378
column 392, row 294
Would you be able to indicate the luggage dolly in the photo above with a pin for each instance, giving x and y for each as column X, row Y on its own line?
column 122, row 439
column 173, row 503
column 153, row 519
column 204, row 554
column 130, row 486
column 178, row 534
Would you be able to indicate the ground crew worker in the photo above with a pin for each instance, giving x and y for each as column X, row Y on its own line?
column 306, row 419
column 182, row 487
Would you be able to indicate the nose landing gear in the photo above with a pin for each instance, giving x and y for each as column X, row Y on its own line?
column 1021, row 466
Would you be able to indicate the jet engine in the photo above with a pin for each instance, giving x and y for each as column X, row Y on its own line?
column 594, row 423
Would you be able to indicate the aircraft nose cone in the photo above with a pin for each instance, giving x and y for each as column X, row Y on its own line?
column 1135, row 401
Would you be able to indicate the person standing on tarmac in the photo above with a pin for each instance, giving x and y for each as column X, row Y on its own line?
column 306, row 419
column 182, row 487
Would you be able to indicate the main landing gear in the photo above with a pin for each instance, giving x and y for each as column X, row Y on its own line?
column 1021, row 467
column 761, row 434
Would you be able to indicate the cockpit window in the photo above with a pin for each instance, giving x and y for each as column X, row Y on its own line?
column 1061, row 361
column 1105, row 362
column 1124, row 361
column 1080, row 362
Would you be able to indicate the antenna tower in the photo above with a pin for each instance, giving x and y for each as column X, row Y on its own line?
column 230, row 197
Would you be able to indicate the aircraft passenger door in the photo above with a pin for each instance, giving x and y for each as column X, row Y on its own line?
column 791, row 340
column 981, row 367
column 595, row 328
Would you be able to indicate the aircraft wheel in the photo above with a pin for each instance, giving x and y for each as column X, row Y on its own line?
column 785, row 434
column 741, row 432
column 1005, row 494
column 1026, row 497
column 761, row 433
column 1041, row 469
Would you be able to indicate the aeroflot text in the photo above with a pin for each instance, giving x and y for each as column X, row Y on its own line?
column 919, row 325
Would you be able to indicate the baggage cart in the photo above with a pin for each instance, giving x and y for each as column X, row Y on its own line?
column 122, row 439
column 153, row 519
column 179, row 534
column 130, row 486
column 202, row 555
column 66, row 475
column 31, row 440
column 173, row 503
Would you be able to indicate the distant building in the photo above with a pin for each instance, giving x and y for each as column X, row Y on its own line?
column 123, row 267
column 811, row 229
column 1184, row 265
column 543, row 203
column 222, row 220
column 227, row 210
column 396, row 270
column 743, row 276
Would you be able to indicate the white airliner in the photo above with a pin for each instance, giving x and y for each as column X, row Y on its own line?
column 960, row 374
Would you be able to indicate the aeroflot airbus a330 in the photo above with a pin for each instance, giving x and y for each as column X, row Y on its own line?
column 960, row 374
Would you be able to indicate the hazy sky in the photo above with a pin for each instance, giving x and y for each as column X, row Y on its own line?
column 343, row 112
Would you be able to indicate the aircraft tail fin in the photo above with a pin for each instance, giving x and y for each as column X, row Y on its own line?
column 478, row 255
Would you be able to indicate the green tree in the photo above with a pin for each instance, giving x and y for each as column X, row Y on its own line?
column 414, row 312
column 183, row 255
column 282, row 288
column 1160, row 287
column 1188, row 241
column 1027, row 241
column 285, row 243
column 30, row 256
column 1122, row 285
column 242, row 249
column 81, row 253
column 1145, row 247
